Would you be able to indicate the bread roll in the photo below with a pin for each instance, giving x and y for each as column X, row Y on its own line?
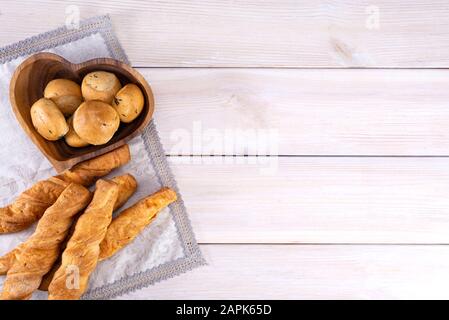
column 72, row 138
column 48, row 119
column 129, row 102
column 95, row 122
column 65, row 93
column 100, row 85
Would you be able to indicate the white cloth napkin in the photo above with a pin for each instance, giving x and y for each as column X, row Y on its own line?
column 167, row 247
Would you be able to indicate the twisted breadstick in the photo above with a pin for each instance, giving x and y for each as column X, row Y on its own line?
column 35, row 257
column 126, row 187
column 7, row 260
column 87, row 172
column 133, row 220
column 80, row 257
column 126, row 226
column 31, row 204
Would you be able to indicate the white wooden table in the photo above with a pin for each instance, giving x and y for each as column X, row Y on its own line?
column 356, row 205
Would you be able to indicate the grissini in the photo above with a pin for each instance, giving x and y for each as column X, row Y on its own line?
column 87, row 172
column 128, row 224
column 31, row 204
column 37, row 255
column 127, row 185
column 7, row 260
column 80, row 257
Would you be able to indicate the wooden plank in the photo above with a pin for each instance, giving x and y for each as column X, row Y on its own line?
column 311, row 272
column 302, row 112
column 316, row 200
column 269, row 33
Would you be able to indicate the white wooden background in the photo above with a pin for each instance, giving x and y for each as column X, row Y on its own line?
column 358, row 206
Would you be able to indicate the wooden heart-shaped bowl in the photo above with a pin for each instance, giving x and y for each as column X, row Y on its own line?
column 28, row 84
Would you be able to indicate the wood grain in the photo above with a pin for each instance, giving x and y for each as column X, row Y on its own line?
column 316, row 200
column 242, row 33
column 311, row 272
column 306, row 112
column 294, row 200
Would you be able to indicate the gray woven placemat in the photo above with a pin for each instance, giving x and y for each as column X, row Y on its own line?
column 192, row 255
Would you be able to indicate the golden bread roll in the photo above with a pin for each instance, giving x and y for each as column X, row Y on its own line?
column 65, row 93
column 72, row 139
column 81, row 254
column 129, row 102
column 95, row 122
column 29, row 206
column 128, row 224
column 48, row 120
column 100, row 85
column 127, row 185
column 38, row 254
column 87, row 172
